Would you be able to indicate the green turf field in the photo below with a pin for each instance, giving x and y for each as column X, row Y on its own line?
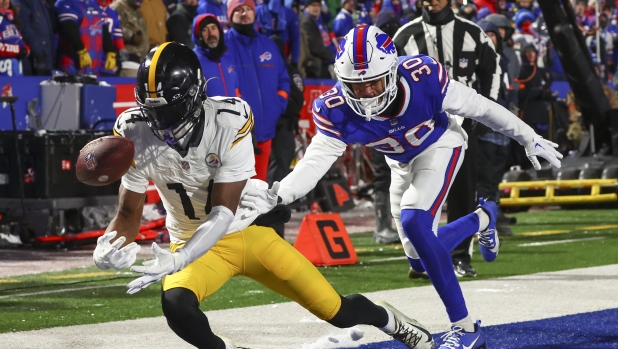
column 542, row 242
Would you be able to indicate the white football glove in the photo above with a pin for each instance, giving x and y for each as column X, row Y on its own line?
column 261, row 201
column 108, row 255
column 545, row 149
column 154, row 270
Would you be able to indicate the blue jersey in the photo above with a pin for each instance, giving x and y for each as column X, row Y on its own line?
column 419, row 123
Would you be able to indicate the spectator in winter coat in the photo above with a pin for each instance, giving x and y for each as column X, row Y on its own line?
column 534, row 92
column 321, row 48
column 215, row 57
column 39, row 34
column 346, row 19
column 179, row 25
column 264, row 81
column 134, row 33
column 214, row 7
column 506, row 32
column 13, row 49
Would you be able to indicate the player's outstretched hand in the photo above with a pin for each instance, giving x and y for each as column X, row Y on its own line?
column 261, row 200
column 545, row 149
column 108, row 255
column 154, row 270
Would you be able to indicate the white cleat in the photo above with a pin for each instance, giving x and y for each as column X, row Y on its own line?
column 409, row 331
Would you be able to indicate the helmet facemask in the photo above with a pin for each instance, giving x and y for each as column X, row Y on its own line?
column 372, row 106
column 173, row 122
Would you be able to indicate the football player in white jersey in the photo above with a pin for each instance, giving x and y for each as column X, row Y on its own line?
column 198, row 152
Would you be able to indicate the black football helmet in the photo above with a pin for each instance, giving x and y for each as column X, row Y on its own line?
column 170, row 91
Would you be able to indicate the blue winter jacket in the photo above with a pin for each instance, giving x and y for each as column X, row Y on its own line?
column 264, row 80
column 223, row 70
column 219, row 9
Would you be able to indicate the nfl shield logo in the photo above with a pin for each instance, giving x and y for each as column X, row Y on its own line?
column 185, row 165
column 91, row 162
column 463, row 63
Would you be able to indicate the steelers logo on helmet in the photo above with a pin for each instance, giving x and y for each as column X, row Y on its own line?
column 170, row 91
column 367, row 54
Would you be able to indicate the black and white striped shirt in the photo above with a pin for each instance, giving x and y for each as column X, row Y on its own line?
column 466, row 51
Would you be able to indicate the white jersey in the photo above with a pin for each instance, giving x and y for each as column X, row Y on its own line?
column 224, row 154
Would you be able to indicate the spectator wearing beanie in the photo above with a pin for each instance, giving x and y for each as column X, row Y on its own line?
column 215, row 57
column 265, row 83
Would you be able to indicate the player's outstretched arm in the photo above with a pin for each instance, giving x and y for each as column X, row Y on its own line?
column 224, row 198
column 465, row 101
column 124, row 227
column 320, row 155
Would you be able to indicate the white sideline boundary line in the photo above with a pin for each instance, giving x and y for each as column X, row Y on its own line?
column 60, row 290
column 559, row 242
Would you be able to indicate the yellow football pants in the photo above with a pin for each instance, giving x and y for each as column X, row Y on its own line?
column 260, row 254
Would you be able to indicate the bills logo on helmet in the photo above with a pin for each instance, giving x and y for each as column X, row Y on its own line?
column 266, row 56
column 361, row 73
column 340, row 48
column 385, row 44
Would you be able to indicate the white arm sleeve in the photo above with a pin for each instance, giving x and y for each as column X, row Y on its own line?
column 206, row 235
column 320, row 155
column 464, row 101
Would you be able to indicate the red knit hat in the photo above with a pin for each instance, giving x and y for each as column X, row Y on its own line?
column 233, row 4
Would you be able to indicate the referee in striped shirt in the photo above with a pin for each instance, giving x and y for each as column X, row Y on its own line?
column 469, row 57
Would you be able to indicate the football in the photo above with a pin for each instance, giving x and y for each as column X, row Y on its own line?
column 104, row 160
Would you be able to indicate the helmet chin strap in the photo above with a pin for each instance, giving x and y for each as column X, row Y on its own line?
column 368, row 113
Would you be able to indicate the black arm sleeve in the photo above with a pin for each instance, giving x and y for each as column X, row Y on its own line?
column 71, row 31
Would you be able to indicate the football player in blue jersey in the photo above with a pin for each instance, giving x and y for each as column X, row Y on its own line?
column 404, row 107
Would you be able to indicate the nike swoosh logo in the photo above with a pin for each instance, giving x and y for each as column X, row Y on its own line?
column 317, row 108
column 538, row 145
column 473, row 343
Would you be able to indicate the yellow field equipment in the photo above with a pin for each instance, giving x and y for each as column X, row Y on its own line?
column 550, row 187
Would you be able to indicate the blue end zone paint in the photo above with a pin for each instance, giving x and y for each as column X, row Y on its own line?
column 596, row 330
